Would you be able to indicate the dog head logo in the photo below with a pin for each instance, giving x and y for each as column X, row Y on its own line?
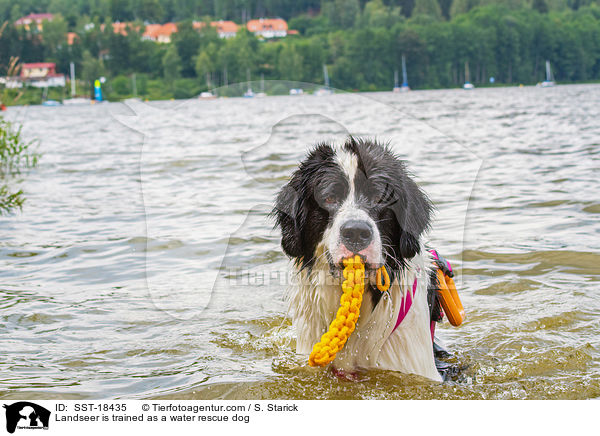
column 26, row 415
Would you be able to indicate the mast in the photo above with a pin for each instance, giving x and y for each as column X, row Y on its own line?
column 396, row 79
column 248, row 79
column 134, row 84
column 326, row 76
column 548, row 72
column 467, row 75
column 404, row 75
column 73, row 89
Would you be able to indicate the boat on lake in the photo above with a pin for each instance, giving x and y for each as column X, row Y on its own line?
column 51, row 103
column 404, row 87
column 549, row 78
column 249, row 93
column 468, row 85
column 74, row 100
column 262, row 87
column 325, row 90
column 207, row 95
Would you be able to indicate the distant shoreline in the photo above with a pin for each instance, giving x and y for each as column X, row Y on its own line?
column 57, row 98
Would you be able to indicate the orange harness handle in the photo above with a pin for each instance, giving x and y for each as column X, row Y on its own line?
column 449, row 299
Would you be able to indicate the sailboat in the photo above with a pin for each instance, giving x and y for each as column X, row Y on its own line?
column 326, row 90
column 46, row 102
column 549, row 79
column 249, row 93
column 262, row 86
column 208, row 94
column 74, row 100
column 405, row 86
column 468, row 85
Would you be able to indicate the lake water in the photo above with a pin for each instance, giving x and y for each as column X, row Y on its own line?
column 144, row 263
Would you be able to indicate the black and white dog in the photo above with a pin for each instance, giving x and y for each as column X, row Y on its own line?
column 359, row 199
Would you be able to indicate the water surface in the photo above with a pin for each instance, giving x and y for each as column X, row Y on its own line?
column 144, row 265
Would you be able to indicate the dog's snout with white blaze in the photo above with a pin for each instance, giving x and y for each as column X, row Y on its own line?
column 353, row 230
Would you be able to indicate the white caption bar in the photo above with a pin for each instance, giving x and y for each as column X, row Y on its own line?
column 114, row 417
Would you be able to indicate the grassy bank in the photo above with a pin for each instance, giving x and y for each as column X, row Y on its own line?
column 15, row 156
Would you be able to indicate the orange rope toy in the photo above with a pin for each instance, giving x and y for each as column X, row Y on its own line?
column 449, row 299
column 343, row 325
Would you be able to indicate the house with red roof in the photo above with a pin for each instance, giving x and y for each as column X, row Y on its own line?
column 160, row 33
column 225, row 29
column 268, row 27
column 37, row 19
column 41, row 75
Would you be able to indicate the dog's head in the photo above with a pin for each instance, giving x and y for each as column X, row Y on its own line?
column 355, row 199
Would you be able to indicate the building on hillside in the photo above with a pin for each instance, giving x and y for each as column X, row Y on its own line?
column 225, row 29
column 119, row 28
column 37, row 19
column 41, row 75
column 71, row 37
column 268, row 27
column 160, row 33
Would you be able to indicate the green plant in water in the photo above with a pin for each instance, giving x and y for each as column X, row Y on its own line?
column 15, row 156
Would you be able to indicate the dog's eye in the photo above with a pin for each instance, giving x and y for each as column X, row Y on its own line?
column 378, row 198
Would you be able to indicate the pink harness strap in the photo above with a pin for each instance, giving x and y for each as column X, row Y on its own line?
column 407, row 301
column 405, row 305
column 435, row 255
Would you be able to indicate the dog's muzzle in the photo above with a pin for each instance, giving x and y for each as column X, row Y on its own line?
column 356, row 235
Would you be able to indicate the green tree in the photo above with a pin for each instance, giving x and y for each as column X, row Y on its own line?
column 462, row 6
column 376, row 14
column 313, row 53
column 92, row 69
column 239, row 55
column 307, row 25
column 121, row 10
column 171, row 64
column 121, row 85
column 206, row 63
column 290, row 63
column 430, row 8
column 540, row 5
column 151, row 10
column 187, row 41
column 342, row 13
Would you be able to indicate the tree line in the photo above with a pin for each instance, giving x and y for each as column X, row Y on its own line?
column 361, row 43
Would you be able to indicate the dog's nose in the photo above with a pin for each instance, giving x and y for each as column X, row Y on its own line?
column 356, row 235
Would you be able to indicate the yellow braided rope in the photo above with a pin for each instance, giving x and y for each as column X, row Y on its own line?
column 344, row 323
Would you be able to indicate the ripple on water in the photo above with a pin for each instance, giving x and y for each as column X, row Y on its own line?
column 593, row 208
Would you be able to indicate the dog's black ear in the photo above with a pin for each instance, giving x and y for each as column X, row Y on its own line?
column 413, row 211
column 294, row 203
column 288, row 216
